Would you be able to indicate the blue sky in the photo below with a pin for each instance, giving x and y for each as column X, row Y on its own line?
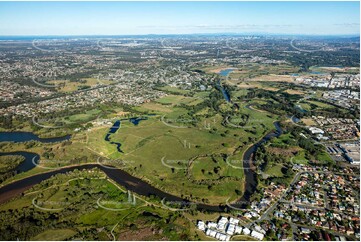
column 113, row 18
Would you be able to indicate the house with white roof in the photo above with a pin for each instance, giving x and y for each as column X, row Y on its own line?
column 257, row 235
column 230, row 229
column 211, row 233
column 221, row 225
column 259, row 229
column 212, row 225
column 222, row 237
column 315, row 130
column 254, row 214
column 223, row 220
column 233, row 221
column 246, row 231
column 238, row 229
column 201, row 225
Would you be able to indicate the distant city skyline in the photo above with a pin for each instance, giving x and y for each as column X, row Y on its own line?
column 141, row 18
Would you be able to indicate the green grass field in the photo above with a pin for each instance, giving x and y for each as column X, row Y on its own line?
column 158, row 148
column 177, row 99
column 83, row 117
column 283, row 140
column 161, row 148
column 54, row 234
column 324, row 158
column 320, row 104
column 304, row 105
column 274, row 171
column 299, row 158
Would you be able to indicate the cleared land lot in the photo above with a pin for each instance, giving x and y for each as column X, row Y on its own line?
column 68, row 86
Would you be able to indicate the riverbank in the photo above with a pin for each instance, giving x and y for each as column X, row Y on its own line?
column 137, row 185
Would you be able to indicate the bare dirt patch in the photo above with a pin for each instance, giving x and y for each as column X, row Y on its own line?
column 308, row 121
column 273, row 78
column 252, row 84
column 284, row 152
column 291, row 91
column 122, row 113
column 147, row 233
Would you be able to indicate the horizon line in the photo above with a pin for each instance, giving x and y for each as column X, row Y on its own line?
column 172, row 34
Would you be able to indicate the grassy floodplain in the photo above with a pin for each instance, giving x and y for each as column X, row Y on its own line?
column 172, row 147
column 176, row 148
column 146, row 144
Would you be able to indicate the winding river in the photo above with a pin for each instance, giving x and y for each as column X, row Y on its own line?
column 128, row 181
column 119, row 176
column 248, row 163
column 248, row 156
